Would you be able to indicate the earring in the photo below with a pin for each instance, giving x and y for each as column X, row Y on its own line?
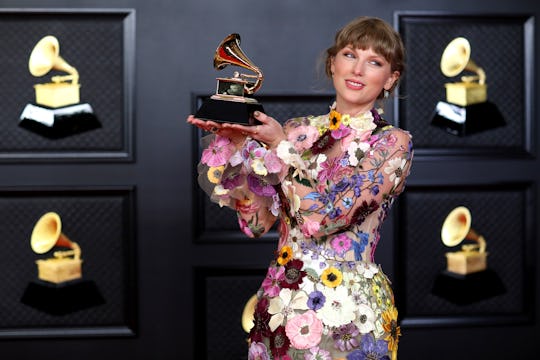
column 386, row 94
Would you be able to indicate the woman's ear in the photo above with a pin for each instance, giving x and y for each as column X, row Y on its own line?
column 392, row 81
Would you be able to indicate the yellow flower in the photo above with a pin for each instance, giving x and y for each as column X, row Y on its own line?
column 335, row 120
column 331, row 277
column 346, row 119
column 376, row 290
column 214, row 174
column 391, row 327
column 285, row 255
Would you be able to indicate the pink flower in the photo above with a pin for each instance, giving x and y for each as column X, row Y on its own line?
column 244, row 226
column 271, row 283
column 341, row 132
column 258, row 351
column 310, row 227
column 317, row 354
column 329, row 169
column 303, row 137
column 341, row 243
column 218, row 152
column 272, row 162
column 305, row 330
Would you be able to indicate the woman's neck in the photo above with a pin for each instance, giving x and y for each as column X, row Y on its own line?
column 352, row 111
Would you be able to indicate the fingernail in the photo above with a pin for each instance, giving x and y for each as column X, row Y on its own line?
column 257, row 113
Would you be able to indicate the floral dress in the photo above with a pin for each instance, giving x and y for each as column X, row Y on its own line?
column 331, row 185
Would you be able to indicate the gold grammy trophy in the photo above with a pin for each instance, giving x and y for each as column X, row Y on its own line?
column 456, row 229
column 233, row 101
column 57, row 111
column 248, row 313
column 466, row 109
column 64, row 265
column 467, row 278
column 60, row 288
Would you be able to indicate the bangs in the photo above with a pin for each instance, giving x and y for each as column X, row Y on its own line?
column 369, row 37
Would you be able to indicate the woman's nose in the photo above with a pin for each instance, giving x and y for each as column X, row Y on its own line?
column 358, row 68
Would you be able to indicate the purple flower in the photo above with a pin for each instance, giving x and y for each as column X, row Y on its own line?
column 232, row 177
column 316, row 300
column 345, row 337
column 258, row 351
column 370, row 349
column 260, row 187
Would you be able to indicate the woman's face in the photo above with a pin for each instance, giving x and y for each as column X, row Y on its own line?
column 359, row 76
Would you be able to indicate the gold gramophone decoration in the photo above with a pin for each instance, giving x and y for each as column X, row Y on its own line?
column 233, row 101
column 472, row 89
column 57, row 111
column 466, row 109
column 65, row 265
column 63, row 89
column 456, row 229
column 248, row 313
column 467, row 278
column 60, row 288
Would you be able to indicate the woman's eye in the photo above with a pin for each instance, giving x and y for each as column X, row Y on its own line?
column 376, row 62
column 349, row 55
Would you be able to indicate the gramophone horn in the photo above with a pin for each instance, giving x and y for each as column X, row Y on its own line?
column 457, row 227
column 229, row 53
column 47, row 233
column 45, row 57
column 248, row 313
column 456, row 58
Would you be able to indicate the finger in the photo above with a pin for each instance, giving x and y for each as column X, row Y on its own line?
column 262, row 117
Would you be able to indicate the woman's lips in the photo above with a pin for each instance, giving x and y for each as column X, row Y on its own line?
column 355, row 85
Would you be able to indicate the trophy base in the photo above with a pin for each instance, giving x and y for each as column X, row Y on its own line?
column 224, row 111
column 465, row 120
column 467, row 289
column 55, row 123
column 63, row 298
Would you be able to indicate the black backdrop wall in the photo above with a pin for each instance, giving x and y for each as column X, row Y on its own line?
column 172, row 268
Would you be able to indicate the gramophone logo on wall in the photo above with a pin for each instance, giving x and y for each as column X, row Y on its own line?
column 467, row 278
column 60, row 288
column 57, row 111
column 466, row 109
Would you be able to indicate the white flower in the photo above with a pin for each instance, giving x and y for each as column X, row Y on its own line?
column 351, row 280
column 363, row 122
column 315, row 165
column 359, row 297
column 258, row 166
column 379, row 329
column 395, row 169
column 290, row 193
column 318, row 121
column 286, row 152
column 222, row 194
column 368, row 270
column 366, row 319
column 357, row 149
column 284, row 305
column 236, row 159
column 338, row 308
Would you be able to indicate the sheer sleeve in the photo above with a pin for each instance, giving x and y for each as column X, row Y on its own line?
column 243, row 179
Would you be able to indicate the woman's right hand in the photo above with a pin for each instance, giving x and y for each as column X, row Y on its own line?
column 235, row 135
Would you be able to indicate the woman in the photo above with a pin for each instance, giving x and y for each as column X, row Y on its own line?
column 330, row 180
